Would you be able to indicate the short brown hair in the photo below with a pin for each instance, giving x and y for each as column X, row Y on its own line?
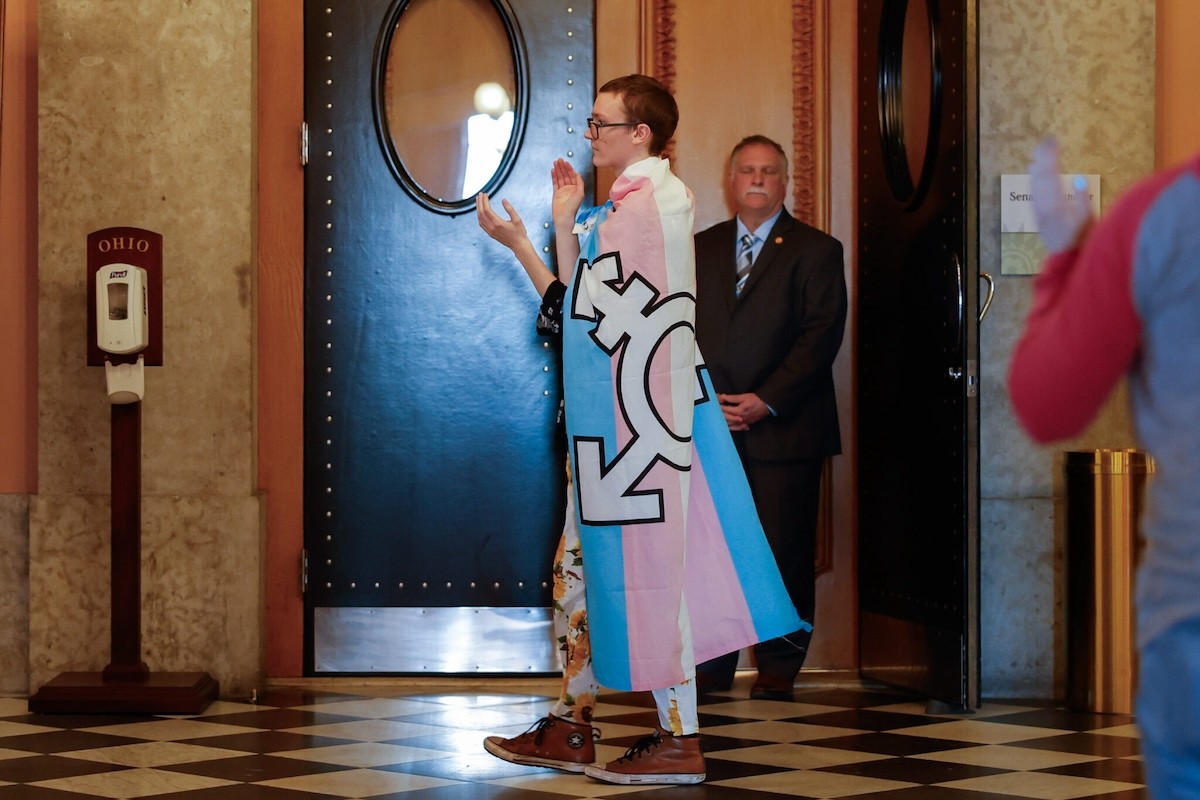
column 648, row 102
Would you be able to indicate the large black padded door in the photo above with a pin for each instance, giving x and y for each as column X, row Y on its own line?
column 918, row 347
column 434, row 482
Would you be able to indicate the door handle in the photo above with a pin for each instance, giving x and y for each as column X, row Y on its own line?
column 960, row 308
column 991, row 292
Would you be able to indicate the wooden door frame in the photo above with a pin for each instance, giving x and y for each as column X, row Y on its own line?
column 280, row 326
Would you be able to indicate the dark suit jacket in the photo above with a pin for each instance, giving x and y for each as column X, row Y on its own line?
column 780, row 338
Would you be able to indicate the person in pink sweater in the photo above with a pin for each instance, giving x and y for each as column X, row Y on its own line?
column 1119, row 297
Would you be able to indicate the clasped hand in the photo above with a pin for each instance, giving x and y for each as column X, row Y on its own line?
column 742, row 410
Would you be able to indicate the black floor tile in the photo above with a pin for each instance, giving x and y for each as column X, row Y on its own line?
column 937, row 793
column 19, row 791
column 269, row 741
column 63, row 741
column 477, row 791
column 867, row 719
column 850, row 698
column 1124, row 770
column 1063, row 719
column 30, row 769
column 890, row 744
column 1091, row 744
column 253, row 768
column 240, row 791
column 278, row 718
column 713, row 743
column 288, row 697
column 913, row 770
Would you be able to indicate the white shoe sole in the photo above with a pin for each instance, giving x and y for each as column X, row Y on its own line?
column 628, row 779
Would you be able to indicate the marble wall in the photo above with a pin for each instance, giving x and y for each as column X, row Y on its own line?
column 146, row 119
column 1084, row 72
column 14, row 593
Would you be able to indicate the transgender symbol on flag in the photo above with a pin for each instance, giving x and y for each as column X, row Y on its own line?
column 632, row 324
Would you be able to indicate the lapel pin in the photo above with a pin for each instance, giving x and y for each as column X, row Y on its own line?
column 778, row 240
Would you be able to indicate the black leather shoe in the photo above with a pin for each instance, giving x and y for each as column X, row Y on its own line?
column 716, row 674
column 779, row 662
column 707, row 684
column 774, row 684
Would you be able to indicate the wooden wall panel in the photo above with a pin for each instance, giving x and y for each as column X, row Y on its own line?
column 281, row 327
column 18, row 253
column 1177, row 115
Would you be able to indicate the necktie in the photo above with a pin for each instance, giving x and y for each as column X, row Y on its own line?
column 745, row 258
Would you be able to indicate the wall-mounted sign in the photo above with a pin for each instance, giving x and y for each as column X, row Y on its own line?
column 1021, row 250
column 1016, row 200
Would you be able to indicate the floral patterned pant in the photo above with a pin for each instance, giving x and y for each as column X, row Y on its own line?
column 676, row 704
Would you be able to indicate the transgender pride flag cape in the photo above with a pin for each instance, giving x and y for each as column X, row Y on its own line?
column 676, row 564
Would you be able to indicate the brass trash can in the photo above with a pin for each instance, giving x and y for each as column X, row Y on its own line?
column 1103, row 506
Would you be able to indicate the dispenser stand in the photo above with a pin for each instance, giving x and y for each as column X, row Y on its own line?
column 126, row 685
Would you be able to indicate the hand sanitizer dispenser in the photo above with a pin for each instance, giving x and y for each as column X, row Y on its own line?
column 122, row 314
column 122, row 328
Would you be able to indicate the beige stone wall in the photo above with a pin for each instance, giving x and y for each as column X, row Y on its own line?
column 146, row 119
column 14, row 594
column 1088, row 77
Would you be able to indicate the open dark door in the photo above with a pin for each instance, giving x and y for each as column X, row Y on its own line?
column 918, row 405
column 434, row 486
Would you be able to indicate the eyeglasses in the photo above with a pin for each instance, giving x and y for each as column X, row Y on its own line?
column 594, row 127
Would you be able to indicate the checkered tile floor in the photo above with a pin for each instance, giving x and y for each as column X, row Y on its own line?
column 423, row 741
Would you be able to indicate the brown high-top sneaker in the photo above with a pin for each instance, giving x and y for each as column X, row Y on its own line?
column 550, row 742
column 657, row 758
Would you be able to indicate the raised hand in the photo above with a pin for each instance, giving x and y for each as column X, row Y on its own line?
column 568, row 194
column 1061, row 219
column 508, row 232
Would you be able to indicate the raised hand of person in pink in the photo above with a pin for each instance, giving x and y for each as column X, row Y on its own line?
column 508, row 232
column 511, row 232
column 1061, row 219
column 568, row 194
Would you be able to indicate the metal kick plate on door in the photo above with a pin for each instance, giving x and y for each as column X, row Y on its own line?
column 435, row 640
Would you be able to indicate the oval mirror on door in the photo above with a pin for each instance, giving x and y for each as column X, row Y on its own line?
column 910, row 81
column 449, row 98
